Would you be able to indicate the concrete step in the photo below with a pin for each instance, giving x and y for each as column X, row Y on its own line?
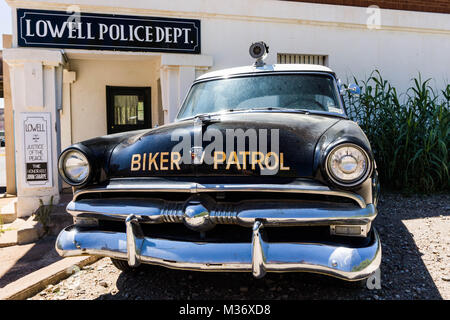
column 9, row 235
column 30, row 231
column 8, row 238
column 8, row 209
column 21, row 231
column 26, row 230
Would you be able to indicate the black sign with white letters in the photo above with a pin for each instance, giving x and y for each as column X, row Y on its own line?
column 76, row 30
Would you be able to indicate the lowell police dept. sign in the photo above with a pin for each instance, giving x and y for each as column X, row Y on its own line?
column 59, row 29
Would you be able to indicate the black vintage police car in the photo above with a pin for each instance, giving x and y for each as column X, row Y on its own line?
column 262, row 171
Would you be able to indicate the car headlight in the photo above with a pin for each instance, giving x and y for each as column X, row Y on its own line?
column 348, row 165
column 74, row 167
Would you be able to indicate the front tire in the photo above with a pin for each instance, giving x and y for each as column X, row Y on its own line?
column 122, row 265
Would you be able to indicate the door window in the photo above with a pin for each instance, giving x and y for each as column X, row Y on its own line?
column 128, row 108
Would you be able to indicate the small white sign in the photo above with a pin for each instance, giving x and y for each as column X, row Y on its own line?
column 37, row 143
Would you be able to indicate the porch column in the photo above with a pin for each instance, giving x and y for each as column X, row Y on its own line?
column 178, row 71
column 36, row 95
column 69, row 77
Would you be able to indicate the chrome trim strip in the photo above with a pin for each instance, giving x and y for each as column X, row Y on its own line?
column 244, row 213
column 157, row 185
column 339, row 261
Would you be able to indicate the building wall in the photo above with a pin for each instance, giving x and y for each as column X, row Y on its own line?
column 2, row 120
column 401, row 49
column 440, row 6
column 1, row 75
column 10, row 163
column 399, row 55
column 400, row 44
column 405, row 44
column 88, row 92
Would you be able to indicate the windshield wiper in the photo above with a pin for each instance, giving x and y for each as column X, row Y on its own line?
column 281, row 109
column 209, row 116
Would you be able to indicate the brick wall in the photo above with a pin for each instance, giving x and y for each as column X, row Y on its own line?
column 439, row 6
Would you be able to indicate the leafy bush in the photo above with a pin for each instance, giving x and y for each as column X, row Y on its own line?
column 43, row 213
column 409, row 134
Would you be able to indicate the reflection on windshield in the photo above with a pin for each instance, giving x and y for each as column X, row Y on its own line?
column 284, row 91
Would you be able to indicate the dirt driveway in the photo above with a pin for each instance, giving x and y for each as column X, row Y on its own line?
column 415, row 235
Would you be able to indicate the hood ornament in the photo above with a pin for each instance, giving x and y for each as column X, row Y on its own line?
column 197, row 154
column 197, row 149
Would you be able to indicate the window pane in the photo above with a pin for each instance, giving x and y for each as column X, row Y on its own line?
column 128, row 109
column 140, row 115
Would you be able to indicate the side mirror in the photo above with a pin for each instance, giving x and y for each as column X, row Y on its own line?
column 354, row 89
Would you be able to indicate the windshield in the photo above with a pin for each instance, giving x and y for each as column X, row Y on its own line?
column 287, row 91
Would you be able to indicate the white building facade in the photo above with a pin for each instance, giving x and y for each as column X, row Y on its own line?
column 119, row 60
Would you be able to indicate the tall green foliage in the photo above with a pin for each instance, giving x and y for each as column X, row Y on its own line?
column 409, row 133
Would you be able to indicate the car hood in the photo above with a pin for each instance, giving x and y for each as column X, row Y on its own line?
column 149, row 153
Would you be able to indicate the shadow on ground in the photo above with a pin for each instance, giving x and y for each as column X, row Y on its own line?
column 403, row 273
column 21, row 260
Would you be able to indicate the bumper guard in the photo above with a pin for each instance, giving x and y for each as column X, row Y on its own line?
column 258, row 257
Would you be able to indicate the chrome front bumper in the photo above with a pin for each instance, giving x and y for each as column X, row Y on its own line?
column 122, row 197
column 258, row 257
column 245, row 213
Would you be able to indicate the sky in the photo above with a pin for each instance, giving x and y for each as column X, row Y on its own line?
column 5, row 20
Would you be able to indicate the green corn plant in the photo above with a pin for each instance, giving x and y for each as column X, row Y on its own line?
column 409, row 133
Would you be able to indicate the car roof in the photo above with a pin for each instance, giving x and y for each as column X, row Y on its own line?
column 265, row 68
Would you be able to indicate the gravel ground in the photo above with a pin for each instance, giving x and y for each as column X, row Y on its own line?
column 415, row 235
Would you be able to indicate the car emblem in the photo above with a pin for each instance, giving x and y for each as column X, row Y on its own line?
column 197, row 155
